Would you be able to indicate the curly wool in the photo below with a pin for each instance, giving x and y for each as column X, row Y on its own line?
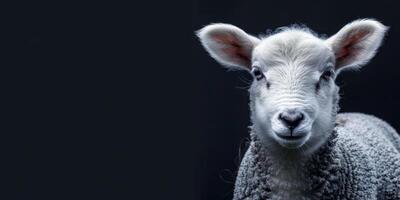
column 360, row 160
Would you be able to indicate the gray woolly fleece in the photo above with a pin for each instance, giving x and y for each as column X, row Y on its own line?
column 360, row 161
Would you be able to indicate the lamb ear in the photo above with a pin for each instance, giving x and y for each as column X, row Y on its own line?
column 228, row 44
column 356, row 43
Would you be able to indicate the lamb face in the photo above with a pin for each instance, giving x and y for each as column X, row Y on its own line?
column 294, row 90
column 293, row 95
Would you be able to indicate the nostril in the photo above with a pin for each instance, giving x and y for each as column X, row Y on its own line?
column 291, row 119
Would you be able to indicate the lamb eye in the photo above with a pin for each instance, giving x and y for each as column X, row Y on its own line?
column 257, row 74
column 327, row 75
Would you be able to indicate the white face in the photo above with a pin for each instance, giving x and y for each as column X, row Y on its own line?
column 293, row 88
column 293, row 95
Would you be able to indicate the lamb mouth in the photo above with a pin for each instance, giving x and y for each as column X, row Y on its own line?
column 293, row 137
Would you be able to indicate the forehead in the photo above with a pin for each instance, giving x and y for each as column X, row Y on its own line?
column 293, row 48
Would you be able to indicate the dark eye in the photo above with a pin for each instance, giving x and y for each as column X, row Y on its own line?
column 257, row 74
column 326, row 75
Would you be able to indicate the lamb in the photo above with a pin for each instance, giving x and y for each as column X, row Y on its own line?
column 301, row 148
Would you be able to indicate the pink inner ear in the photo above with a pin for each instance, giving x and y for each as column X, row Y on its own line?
column 349, row 47
column 233, row 48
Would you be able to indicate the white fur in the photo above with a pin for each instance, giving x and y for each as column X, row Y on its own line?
column 292, row 62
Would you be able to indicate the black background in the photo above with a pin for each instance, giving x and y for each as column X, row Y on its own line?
column 120, row 101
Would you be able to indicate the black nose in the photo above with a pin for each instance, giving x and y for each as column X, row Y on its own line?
column 291, row 119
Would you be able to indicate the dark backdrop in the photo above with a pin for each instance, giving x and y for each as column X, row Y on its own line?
column 373, row 90
column 112, row 100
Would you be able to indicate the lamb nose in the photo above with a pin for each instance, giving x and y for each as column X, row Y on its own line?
column 291, row 119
